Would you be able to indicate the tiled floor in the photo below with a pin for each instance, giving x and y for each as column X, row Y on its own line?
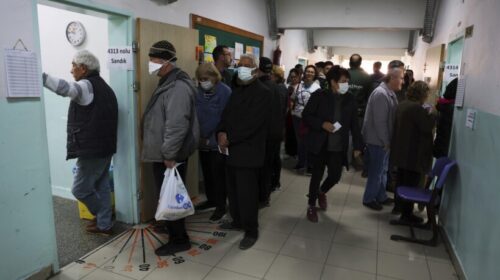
column 349, row 242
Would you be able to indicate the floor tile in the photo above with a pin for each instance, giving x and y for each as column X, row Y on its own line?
column 185, row 271
column 209, row 257
column 99, row 274
column 332, row 272
column 356, row 238
column 359, row 219
column 402, row 267
column 323, row 230
column 289, row 268
column 442, row 271
column 353, row 258
column 306, row 248
column 406, row 249
column 270, row 241
column 437, row 254
column 249, row 262
column 279, row 223
column 386, row 278
column 221, row 274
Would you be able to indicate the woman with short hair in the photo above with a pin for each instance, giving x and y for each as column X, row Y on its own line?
column 211, row 100
column 411, row 145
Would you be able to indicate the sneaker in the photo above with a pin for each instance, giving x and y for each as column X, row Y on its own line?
column 172, row 248
column 388, row 201
column 230, row 226
column 92, row 223
column 96, row 230
column 247, row 242
column 322, row 201
column 374, row 205
column 217, row 216
column 312, row 214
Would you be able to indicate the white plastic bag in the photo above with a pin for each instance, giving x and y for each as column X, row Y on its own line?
column 174, row 203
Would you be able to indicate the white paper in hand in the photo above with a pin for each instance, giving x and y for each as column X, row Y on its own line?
column 224, row 151
column 174, row 203
column 336, row 127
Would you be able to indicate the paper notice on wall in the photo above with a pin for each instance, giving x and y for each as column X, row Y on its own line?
column 120, row 58
column 238, row 50
column 459, row 99
column 451, row 71
column 23, row 75
column 249, row 50
column 471, row 118
column 256, row 52
column 210, row 43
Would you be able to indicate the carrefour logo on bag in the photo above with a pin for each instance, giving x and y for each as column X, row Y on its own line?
column 187, row 205
column 180, row 198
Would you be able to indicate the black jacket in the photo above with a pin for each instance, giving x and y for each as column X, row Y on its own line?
column 277, row 118
column 92, row 129
column 411, row 144
column 245, row 120
column 320, row 109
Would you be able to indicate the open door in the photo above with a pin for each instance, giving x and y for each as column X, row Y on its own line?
column 185, row 41
column 433, row 71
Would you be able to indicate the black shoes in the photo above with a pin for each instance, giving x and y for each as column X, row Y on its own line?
column 247, row 242
column 374, row 205
column 217, row 216
column 172, row 248
column 411, row 219
column 388, row 201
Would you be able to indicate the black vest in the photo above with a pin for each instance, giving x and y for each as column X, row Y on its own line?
column 92, row 129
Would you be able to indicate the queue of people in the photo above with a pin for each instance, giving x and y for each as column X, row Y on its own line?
column 238, row 121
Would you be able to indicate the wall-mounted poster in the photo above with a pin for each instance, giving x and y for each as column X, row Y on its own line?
column 256, row 52
column 232, row 50
column 208, row 57
column 249, row 50
column 210, row 43
column 238, row 50
column 302, row 60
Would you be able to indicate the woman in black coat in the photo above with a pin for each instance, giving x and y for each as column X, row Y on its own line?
column 330, row 115
column 411, row 145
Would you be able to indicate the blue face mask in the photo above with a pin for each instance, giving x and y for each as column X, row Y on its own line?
column 245, row 73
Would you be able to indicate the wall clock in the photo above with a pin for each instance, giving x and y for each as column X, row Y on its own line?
column 75, row 33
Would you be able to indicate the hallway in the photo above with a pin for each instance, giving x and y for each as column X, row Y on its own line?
column 349, row 242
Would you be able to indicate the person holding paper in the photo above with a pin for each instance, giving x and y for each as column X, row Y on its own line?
column 243, row 131
column 92, row 130
column 170, row 130
column 331, row 116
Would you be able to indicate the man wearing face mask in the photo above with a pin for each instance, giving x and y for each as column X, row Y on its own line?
column 170, row 130
column 242, row 134
column 331, row 116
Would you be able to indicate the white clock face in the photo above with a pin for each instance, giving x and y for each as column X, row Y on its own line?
column 75, row 33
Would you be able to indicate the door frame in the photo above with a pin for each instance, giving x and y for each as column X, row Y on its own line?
column 121, row 22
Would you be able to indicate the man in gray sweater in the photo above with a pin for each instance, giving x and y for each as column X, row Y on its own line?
column 377, row 132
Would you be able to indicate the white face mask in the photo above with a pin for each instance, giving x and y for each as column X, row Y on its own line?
column 206, row 85
column 245, row 73
column 343, row 88
column 154, row 68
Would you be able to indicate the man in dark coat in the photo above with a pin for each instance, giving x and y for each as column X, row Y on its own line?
column 242, row 135
column 331, row 116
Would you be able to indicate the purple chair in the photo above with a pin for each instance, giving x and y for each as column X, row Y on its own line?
column 429, row 198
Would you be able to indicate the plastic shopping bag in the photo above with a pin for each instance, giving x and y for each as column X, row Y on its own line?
column 174, row 203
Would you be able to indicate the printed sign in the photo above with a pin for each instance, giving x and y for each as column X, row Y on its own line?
column 120, row 58
column 451, row 71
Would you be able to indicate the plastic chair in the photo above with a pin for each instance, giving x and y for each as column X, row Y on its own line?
column 427, row 197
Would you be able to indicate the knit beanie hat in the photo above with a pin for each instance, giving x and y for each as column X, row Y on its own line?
column 163, row 49
column 265, row 65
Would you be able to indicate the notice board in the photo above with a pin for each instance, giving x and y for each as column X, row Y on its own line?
column 227, row 35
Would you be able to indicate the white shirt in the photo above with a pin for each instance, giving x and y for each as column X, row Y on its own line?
column 80, row 92
column 302, row 96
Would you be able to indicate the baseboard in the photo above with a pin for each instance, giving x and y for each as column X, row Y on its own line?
column 453, row 254
column 41, row 274
column 62, row 192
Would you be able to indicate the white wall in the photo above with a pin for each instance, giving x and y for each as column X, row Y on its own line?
column 373, row 14
column 480, row 57
column 250, row 15
column 293, row 45
column 362, row 38
column 57, row 54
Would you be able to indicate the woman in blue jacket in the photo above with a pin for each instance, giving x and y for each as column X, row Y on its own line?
column 211, row 100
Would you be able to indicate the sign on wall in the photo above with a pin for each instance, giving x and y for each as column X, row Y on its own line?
column 120, row 58
column 451, row 71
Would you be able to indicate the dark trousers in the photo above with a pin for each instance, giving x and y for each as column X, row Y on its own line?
column 406, row 178
column 301, row 144
column 332, row 160
column 271, row 172
column 176, row 229
column 213, row 166
column 243, row 194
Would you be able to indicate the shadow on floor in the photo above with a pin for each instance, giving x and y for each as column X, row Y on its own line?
column 73, row 241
